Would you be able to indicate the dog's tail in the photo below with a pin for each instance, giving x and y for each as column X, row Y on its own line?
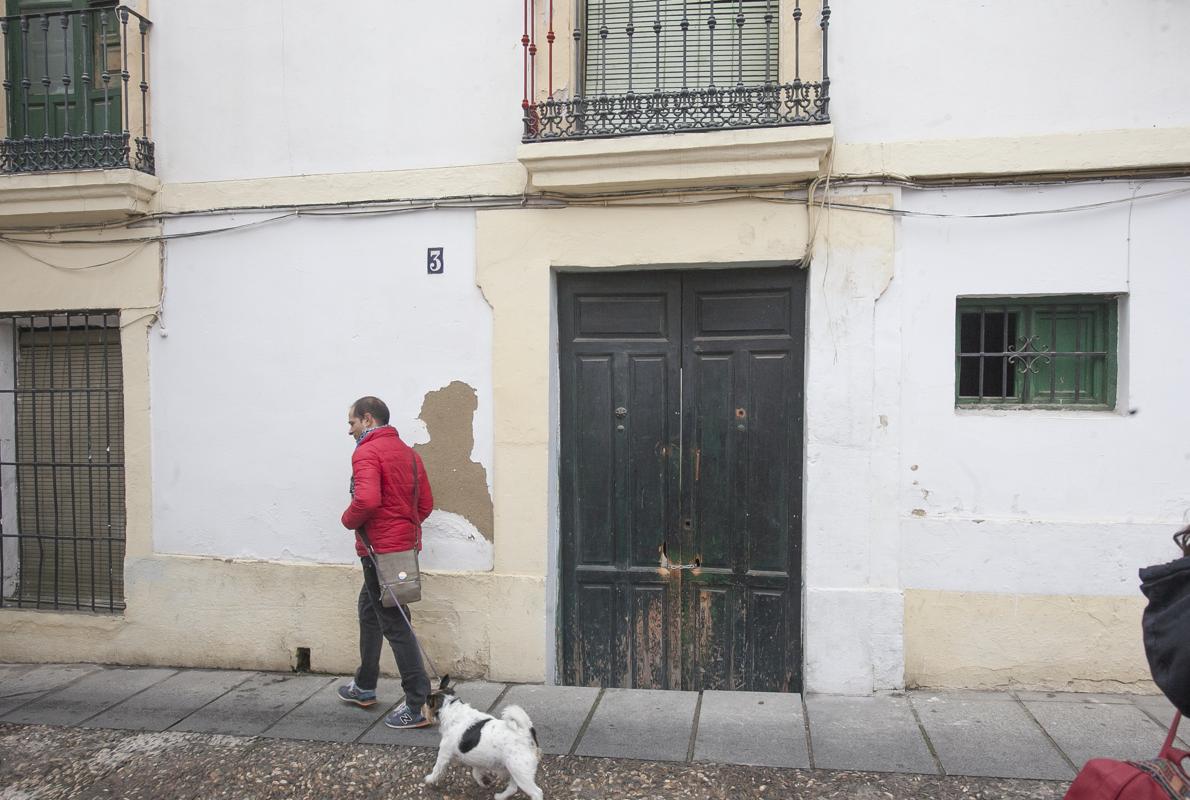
column 516, row 717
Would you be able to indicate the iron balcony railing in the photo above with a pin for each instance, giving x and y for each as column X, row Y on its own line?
column 71, row 99
column 665, row 66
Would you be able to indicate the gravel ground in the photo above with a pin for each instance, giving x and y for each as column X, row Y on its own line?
column 47, row 763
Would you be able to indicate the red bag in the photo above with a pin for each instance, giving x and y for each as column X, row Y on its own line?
column 1159, row 779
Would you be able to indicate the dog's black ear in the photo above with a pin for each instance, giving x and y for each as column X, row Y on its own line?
column 444, row 684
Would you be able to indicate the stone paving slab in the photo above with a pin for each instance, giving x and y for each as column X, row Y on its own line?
column 478, row 694
column 756, row 728
column 10, row 671
column 1094, row 730
column 650, row 724
column 87, row 696
column 167, row 703
column 868, row 734
column 326, row 718
column 1159, row 708
column 969, row 695
column 17, row 690
column 558, row 712
column 1074, row 697
column 992, row 737
column 974, row 733
column 254, row 705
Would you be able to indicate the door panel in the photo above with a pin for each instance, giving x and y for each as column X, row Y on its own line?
column 766, row 460
column 767, row 636
column 743, row 335
column 711, row 632
column 650, row 609
column 646, row 433
column 619, row 360
column 709, row 378
column 594, row 506
column 681, row 401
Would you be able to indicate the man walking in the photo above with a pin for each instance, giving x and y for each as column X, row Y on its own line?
column 382, row 505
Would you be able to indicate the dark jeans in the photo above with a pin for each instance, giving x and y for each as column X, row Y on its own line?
column 378, row 622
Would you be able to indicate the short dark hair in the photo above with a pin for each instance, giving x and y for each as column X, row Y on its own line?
column 370, row 405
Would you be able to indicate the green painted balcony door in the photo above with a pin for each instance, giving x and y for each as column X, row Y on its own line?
column 63, row 58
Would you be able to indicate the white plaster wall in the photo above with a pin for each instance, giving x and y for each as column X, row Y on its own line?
column 8, row 475
column 937, row 69
column 853, row 601
column 271, row 333
column 903, row 491
column 289, row 87
column 1044, row 502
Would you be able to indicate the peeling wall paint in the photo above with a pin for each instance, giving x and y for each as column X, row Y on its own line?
column 452, row 542
column 460, row 484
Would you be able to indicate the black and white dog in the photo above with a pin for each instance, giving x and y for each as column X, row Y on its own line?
column 495, row 749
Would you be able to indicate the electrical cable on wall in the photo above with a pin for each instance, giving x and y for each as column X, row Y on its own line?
column 625, row 199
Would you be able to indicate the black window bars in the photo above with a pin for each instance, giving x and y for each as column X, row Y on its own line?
column 62, row 511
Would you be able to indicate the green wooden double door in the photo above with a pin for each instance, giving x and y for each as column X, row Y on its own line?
column 680, row 478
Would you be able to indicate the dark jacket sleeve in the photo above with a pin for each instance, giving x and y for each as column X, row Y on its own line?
column 365, row 471
column 425, row 497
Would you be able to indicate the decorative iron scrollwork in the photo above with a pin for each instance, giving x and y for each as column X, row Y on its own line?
column 712, row 108
column 1027, row 354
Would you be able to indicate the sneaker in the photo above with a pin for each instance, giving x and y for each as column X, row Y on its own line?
column 351, row 693
column 405, row 717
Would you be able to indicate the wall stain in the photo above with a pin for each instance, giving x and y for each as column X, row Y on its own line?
column 460, row 484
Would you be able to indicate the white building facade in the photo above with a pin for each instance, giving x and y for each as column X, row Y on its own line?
column 894, row 377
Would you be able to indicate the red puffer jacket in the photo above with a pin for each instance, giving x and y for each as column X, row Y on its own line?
column 382, row 504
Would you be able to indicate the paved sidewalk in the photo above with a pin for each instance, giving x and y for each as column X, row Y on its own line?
column 1030, row 735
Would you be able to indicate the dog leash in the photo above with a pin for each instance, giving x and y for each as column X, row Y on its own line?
column 393, row 593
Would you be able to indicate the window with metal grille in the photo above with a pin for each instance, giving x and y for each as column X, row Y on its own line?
column 1036, row 351
column 646, row 46
column 62, row 516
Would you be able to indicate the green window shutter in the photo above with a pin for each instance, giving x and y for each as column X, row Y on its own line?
column 1077, row 336
column 671, row 61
